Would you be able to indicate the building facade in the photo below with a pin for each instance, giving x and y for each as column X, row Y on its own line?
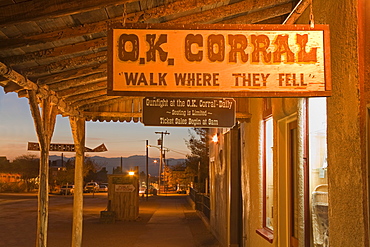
column 297, row 172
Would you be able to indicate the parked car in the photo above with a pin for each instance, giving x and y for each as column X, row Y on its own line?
column 91, row 187
column 67, row 190
column 103, row 188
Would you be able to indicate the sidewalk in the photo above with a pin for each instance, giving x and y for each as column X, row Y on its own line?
column 164, row 221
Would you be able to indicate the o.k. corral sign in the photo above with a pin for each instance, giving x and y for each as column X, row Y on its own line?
column 189, row 112
column 219, row 60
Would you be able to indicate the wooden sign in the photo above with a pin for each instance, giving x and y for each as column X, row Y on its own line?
column 219, row 60
column 124, row 188
column 60, row 147
column 189, row 112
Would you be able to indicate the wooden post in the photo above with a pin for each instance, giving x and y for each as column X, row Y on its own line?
column 78, row 132
column 44, row 125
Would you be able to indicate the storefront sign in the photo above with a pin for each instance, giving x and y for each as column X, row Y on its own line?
column 189, row 112
column 219, row 60
column 59, row 147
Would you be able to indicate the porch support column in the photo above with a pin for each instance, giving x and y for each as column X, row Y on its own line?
column 78, row 132
column 44, row 124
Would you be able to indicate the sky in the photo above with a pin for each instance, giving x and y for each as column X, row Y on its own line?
column 121, row 139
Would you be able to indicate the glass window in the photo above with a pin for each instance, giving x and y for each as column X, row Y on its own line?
column 318, row 172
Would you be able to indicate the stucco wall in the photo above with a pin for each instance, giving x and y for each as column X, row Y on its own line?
column 345, row 170
column 219, row 189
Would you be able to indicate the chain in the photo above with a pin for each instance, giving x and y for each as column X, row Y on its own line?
column 312, row 22
column 124, row 14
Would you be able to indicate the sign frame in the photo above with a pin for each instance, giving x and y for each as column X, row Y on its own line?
column 224, row 27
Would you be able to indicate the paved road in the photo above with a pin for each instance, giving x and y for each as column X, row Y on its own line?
column 163, row 221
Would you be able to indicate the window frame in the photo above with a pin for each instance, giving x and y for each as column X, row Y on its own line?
column 266, row 232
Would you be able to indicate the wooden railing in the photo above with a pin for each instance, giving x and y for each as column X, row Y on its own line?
column 202, row 202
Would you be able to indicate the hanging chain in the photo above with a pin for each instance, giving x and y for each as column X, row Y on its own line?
column 312, row 22
column 124, row 14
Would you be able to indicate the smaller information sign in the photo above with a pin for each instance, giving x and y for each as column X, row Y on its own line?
column 124, row 188
column 189, row 112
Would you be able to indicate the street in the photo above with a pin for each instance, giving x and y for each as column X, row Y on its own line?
column 18, row 216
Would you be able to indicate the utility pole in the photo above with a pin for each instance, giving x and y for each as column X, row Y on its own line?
column 161, row 157
column 147, row 170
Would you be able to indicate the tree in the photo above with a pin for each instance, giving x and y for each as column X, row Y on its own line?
column 28, row 167
column 197, row 162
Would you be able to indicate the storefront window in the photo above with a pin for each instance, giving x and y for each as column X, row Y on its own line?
column 318, row 172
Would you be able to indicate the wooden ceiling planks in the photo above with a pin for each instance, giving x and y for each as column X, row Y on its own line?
column 62, row 50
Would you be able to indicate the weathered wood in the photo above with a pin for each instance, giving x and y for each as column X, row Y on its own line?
column 297, row 11
column 83, row 89
column 64, row 65
column 14, row 76
column 86, row 96
column 112, row 114
column 170, row 11
column 72, row 74
column 218, row 14
column 124, row 204
column 44, row 125
column 36, row 10
column 106, row 105
column 90, row 45
column 261, row 15
column 80, row 81
column 82, row 103
column 78, row 132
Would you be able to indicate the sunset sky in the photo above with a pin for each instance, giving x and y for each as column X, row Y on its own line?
column 121, row 139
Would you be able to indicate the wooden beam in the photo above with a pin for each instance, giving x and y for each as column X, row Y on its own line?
column 72, row 74
column 83, row 104
column 112, row 101
column 297, row 11
column 80, row 81
column 42, row 9
column 78, row 133
column 111, row 114
column 218, row 14
column 44, row 125
column 86, row 96
column 261, row 15
column 83, row 89
column 42, row 91
column 17, row 78
column 90, row 45
column 64, row 65
column 172, row 10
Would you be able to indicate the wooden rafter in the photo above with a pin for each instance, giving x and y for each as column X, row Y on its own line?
column 72, row 74
column 80, row 61
column 88, row 102
column 113, row 101
column 218, row 14
column 76, row 82
column 258, row 16
column 83, row 89
column 36, row 10
column 87, row 95
column 90, row 45
column 173, row 9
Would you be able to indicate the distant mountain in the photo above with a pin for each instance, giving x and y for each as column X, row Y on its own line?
column 127, row 162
